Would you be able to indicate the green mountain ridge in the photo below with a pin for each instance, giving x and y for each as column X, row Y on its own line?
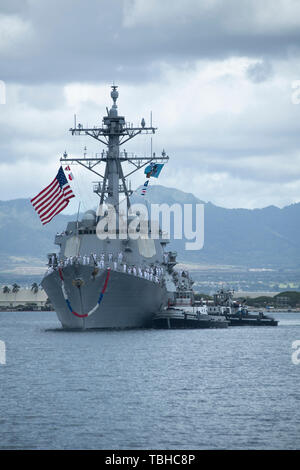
column 267, row 237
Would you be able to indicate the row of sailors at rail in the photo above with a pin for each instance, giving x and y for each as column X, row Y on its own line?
column 94, row 259
column 86, row 260
column 152, row 273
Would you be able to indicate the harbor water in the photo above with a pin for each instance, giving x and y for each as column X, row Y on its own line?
column 148, row 389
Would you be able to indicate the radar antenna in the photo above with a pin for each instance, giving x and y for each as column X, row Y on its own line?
column 113, row 133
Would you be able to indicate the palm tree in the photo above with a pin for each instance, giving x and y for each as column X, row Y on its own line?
column 15, row 288
column 35, row 288
column 6, row 290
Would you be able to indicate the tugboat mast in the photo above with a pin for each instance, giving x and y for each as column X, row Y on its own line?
column 113, row 133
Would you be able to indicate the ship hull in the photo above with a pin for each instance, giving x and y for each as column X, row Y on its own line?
column 128, row 301
column 181, row 323
column 256, row 321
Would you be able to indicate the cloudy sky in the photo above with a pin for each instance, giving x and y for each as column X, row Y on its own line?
column 217, row 75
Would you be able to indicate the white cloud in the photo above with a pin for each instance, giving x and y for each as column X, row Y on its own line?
column 159, row 12
column 249, row 16
column 231, row 140
column 14, row 31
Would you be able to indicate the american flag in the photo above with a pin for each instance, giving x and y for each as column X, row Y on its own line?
column 54, row 198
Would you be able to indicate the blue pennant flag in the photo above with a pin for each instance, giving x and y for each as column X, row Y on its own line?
column 153, row 170
column 144, row 189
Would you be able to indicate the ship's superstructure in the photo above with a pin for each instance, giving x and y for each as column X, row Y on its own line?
column 104, row 280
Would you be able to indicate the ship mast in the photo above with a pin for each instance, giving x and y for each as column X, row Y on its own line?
column 113, row 133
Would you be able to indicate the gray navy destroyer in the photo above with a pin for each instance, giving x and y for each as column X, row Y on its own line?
column 98, row 282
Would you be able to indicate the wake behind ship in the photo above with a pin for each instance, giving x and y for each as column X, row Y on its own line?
column 106, row 282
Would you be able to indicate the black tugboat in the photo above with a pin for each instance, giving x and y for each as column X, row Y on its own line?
column 177, row 318
column 235, row 313
column 183, row 312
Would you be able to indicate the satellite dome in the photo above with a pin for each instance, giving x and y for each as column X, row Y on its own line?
column 89, row 218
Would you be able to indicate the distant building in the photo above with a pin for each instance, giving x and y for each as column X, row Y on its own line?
column 24, row 296
column 253, row 295
column 282, row 301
